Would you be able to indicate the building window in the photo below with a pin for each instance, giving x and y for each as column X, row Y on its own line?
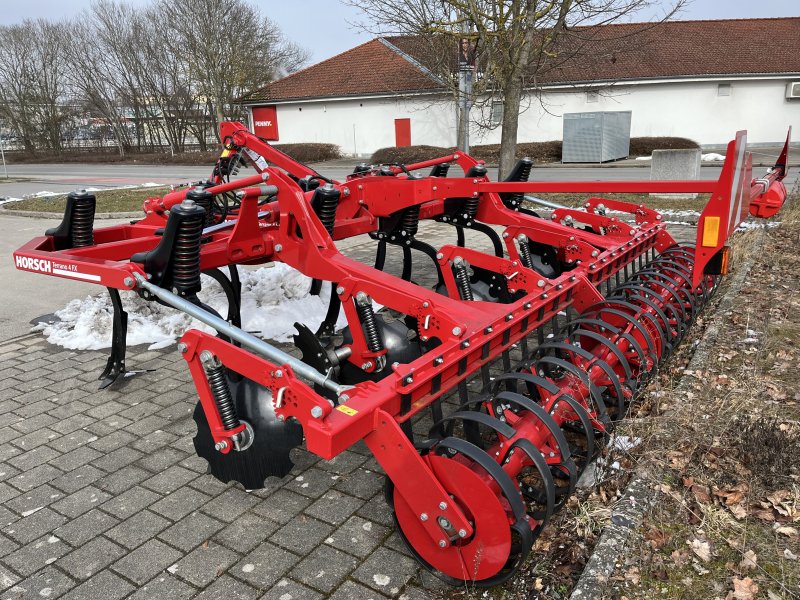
column 592, row 96
column 497, row 112
column 724, row 89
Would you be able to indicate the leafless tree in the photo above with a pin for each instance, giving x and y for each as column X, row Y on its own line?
column 32, row 82
column 230, row 49
column 511, row 42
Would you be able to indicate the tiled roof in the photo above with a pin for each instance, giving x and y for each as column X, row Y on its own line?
column 632, row 51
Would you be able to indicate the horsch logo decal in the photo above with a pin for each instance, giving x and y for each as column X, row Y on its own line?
column 34, row 264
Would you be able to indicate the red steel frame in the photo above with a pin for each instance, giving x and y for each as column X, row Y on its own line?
column 471, row 334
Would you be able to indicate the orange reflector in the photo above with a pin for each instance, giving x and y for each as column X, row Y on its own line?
column 725, row 262
column 710, row 232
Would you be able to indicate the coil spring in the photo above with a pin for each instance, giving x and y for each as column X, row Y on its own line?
column 186, row 258
column 368, row 323
column 471, row 207
column 82, row 231
column 206, row 201
column 410, row 221
column 461, row 272
column 525, row 252
column 218, row 383
column 325, row 207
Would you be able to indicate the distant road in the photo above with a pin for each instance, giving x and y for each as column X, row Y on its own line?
column 64, row 178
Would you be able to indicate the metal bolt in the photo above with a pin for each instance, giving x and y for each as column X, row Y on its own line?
column 594, row 253
column 366, row 366
column 509, row 317
column 278, row 247
column 425, row 304
column 278, row 373
column 462, row 533
column 505, row 234
column 442, row 544
column 423, row 517
column 439, row 256
column 220, row 446
column 206, row 356
column 527, row 306
column 316, row 412
column 340, row 290
column 183, row 348
column 456, row 330
column 488, row 330
column 344, row 398
column 443, row 505
column 444, row 523
column 362, row 298
column 540, row 283
column 128, row 281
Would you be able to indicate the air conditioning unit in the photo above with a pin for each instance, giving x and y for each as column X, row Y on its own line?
column 793, row 89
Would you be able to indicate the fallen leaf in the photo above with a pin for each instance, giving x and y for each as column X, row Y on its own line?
column 750, row 561
column 788, row 531
column 702, row 549
column 789, row 554
column 679, row 557
column 744, row 589
column 656, row 537
column 633, row 576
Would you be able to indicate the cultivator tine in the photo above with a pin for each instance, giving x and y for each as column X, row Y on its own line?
column 115, row 367
column 541, row 363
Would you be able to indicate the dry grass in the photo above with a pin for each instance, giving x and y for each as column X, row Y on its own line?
column 108, row 201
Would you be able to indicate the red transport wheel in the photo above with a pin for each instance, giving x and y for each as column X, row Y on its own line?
column 501, row 536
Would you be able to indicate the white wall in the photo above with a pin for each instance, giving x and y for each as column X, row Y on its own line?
column 686, row 109
column 363, row 126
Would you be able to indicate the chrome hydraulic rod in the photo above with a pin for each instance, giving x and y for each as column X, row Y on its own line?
column 546, row 203
column 246, row 339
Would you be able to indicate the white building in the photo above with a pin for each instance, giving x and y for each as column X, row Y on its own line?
column 697, row 79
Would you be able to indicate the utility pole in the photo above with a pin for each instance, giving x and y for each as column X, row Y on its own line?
column 466, row 69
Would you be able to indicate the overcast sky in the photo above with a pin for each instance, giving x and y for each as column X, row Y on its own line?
column 322, row 27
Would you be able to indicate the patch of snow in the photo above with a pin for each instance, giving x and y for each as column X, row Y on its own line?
column 713, row 157
column 624, row 442
column 273, row 299
column 644, row 158
column 381, row 580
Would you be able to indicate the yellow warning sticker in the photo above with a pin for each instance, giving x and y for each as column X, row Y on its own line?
column 350, row 412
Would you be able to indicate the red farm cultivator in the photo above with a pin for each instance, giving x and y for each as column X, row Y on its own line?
column 520, row 359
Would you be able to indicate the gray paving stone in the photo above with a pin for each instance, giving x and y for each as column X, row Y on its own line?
column 106, row 409
column 7, row 545
column 112, row 441
column 395, row 542
column 7, row 471
column 286, row 589
column 361, row 483
column 312, row 483
column 377, row 510
column 164, row 587
column 227, row 588
column 35, row 555
column 154, row 441
column 204, row 564
column 163, row 459
column 75, row 458
column 169, row 480
column 301, row 535
column 334, row 507
column 191, row 531
column 325, row 568
column 121, row 457
column 265, row 565
column 89, row 525
column 72, row 423
column 282, row 506
column 147, row 425
column 35, row 438
column 77, row 479
column 9, row 451
column 179, row 504
column 31, row 527
column 130, row 502
column 72, row 441
column 7, row 492
column 386, row 571
column 33, row 458
column 47, row 583
column 31, row 500
column 246, row 532
column 105, row 585
column 349, row 590
column 230, row 504
column 358, row 536
column 146, row 562
column 81, row 501
column 139, row 528
column 343, row 463
column 7, row 578
column 91, row 558
column 29, row 479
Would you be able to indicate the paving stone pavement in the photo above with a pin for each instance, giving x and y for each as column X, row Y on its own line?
column 102, row 496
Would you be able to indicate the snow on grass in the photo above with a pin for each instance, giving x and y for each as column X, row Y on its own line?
column 49, row 194
column 712, row 157
column 273, row 299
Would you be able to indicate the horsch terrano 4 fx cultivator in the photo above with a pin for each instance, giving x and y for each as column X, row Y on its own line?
column 577, row 310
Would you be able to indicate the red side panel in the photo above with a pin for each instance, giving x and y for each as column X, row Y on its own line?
column 265, row 122
column 402, row 132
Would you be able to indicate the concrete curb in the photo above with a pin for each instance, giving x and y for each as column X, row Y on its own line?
column 50, row 215
column 639, row 495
